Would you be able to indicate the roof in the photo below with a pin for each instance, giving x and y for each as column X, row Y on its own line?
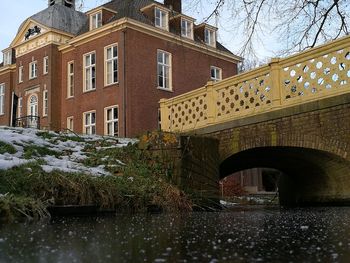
column 74, row 22
column 60, row 17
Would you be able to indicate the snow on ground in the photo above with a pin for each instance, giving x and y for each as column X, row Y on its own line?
column 70, row 152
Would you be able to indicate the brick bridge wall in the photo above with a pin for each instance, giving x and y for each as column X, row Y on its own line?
column 310, row 143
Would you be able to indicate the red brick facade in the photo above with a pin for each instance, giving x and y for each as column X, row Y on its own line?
column 136, row 94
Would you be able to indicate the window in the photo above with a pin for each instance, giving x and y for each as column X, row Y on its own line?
column 96, row 20
column 209, row 37
column 70, row 123
column 45, row 102
column 19, row 108
column 89, row 122
column 20, row 74
column 215, row 73
column 89, row 72
column 33, row 70
column 164, row 70
column 46, row 65
column 161, row 18
column 111, row 65
column 7, row 58
column 111, row 121
column 2, row 99
column 70, row 79
column 186, row 28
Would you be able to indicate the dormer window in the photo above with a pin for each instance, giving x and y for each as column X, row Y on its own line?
column 95, row 20
column 7, row 58
column 186, row 28
column 209, row 37
column 161, row 18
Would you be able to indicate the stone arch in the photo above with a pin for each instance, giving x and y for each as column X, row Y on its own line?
column 310, row 175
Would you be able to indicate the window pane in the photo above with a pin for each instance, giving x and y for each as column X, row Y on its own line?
column 115, row 52
column 93, row 120
column 109, row 53
column 92, row 59
column 115, row 113
column 167, row 59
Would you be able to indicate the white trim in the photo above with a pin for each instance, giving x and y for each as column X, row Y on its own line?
column 70, row 83
column 45, row 65
column 85, row 68
column 164, row 67
column 91, row 124
column 70, row 127
column 35, row 72
column 98, row 22
column 19, row 107
column 106, row 122
column 190, row 23
column 20, row 74
column 217, row 73
column 163, row 19
column 2, row 98
column 45, row 103
column 210, row 37
column 111, row 60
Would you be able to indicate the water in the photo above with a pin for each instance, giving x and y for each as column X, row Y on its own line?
column 242, row 235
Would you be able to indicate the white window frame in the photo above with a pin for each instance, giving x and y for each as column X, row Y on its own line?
column 109, row 76
column 217, row 76
column 186, row 28
column 33, row 72
column 90, row 127
column 2, row 98
column 89, row 84
column 7, row 58
column 96, row 20
column 70, row 79
column 111, row 121
column 20, row 74
column 70, row 123
column 161, row 18
column 45, row 103
column 210, row 37
column 165, row 68
column 46, row 65
column 19, row 107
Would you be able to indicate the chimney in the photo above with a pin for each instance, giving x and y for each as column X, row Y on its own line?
column 175, row 5
column 67, row 3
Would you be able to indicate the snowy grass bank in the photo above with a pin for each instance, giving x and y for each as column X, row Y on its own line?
column 40, row 169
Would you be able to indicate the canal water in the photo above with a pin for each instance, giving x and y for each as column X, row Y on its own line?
column 238, row 235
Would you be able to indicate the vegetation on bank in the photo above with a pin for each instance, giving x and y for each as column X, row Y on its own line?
column 133, row 179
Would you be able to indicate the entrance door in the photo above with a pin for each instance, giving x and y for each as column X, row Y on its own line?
column 33, row 112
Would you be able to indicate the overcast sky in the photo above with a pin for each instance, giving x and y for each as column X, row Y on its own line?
column 14, row 12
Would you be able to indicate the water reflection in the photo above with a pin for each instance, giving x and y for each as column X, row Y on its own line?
column 250, row 235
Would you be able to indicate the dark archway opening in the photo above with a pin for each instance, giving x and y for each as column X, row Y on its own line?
column 308, row 176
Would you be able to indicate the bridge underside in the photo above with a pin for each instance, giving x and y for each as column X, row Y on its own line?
column 309, row 176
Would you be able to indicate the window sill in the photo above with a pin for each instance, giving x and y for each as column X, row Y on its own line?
column 68, row 98
column 164, row 89
column 112, row 84
column 32, row 78
column 88, row 91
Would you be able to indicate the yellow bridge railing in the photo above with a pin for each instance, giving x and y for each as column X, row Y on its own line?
column 312, row 75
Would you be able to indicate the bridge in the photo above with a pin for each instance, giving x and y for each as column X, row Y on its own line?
column 292, row 115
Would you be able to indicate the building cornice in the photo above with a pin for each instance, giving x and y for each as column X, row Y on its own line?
column 147, row 29
column 100, row 8
column 7, row 69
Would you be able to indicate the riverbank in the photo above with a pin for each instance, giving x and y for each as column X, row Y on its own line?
column 44, row 169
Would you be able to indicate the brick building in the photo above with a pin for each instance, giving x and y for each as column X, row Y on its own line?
column 104, row 71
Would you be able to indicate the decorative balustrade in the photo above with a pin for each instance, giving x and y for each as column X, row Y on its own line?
column 311, row 75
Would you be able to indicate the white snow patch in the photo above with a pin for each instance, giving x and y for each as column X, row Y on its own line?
column 70, row 152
